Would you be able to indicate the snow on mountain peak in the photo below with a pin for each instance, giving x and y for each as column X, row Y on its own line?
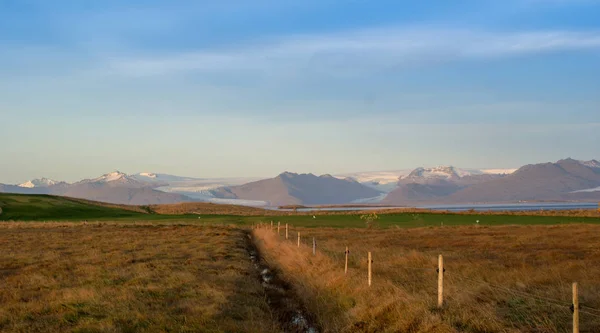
column 110, row 177
column 498, row 171
column 147, row 174
column 440, row 172
column 450, row 172
column 591, row 164
column 27, row 184
column 380, row 177
column 44, row 182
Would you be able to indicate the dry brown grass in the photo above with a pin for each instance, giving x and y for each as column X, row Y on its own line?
column 115, row 278
column 498, row 279
column 219, row 209
column 207, row 208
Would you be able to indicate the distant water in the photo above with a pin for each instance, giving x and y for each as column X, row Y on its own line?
column 460, row 208
column 516, row 207
column 334, row 209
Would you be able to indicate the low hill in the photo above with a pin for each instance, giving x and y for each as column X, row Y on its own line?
column 26, row 207
column 300, row 189
column 207, row 208
column 40, row 207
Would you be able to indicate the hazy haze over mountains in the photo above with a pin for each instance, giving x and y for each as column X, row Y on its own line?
column 565, row 180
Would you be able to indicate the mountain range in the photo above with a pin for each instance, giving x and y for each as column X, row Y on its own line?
column 564, row 180
column 300, row 189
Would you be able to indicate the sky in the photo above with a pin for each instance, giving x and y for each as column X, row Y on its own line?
column 253, row 88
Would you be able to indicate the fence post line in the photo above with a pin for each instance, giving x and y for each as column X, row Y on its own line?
column 440, row 281
column 314, row 247
column 370, row 260
column 286, row 231
column 298, row 238
column 278, row 226
column 575, row 309
column 346, row 265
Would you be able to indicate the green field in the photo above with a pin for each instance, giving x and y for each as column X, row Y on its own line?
column 26, row 207
column 18, row 207
column 410, row 220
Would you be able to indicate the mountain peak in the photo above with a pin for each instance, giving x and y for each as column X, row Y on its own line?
column 43, row 182
column 439, row 172
column 591, row 163
column 351, row 180
column 110, row 177
column 568, row 160
column 288, row 174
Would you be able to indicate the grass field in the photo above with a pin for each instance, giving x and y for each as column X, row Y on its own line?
column 126, row 278
column 43, row 207
column 498, row 279
column 160, row 268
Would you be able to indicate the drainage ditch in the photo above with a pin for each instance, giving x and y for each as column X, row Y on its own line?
column 285, row 304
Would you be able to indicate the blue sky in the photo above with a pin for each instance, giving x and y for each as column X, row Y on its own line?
column 253, row 88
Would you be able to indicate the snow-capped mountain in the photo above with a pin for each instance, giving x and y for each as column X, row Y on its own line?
column 441, row 172
column 107, row 178
column 385, row 177
column 387, row 181
column 591, row 164
column 160, row 177
column 453, row 173
column 497, row 171
column 115, row 178
column 147, row 175
column 43, row 182
column 381, row 177
column 565, row 179
column 384, row 181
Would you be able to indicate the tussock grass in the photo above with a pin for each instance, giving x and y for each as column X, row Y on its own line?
column 138, row 278
column 498, row 279
column 206, row 208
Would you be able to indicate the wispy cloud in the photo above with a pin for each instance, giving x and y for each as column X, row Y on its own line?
column 356, row 51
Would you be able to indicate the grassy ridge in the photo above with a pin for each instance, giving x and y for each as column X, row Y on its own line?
column 45, row 207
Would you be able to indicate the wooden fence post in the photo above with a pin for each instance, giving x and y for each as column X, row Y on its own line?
column 440, row 281
column 271, row 225
column 278, row 226
column 298, row 238
column 286, row 231
column 370, row 260
column 575, row 307
column 346, row 265
column 314, row 247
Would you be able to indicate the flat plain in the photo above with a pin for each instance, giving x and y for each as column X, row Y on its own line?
column 187, row 268
column 128, row 278
column 496, row 279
